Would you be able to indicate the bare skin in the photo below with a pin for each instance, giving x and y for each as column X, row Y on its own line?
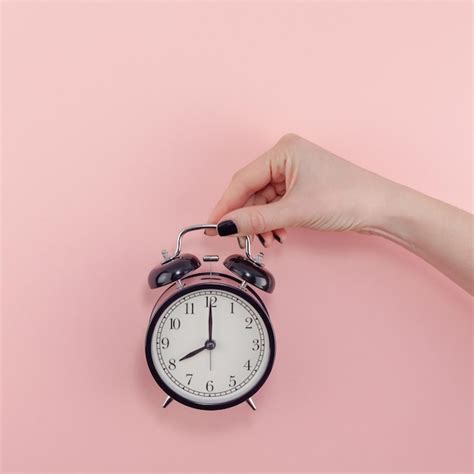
column 299, row 184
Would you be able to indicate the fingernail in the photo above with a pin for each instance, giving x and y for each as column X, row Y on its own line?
column 241, row 242
column 262, row 240
column 227, row 228
column 277, row 238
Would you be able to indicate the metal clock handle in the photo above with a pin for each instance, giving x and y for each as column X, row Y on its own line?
column 257, row 259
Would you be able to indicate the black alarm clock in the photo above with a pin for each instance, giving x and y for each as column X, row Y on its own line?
column 210, row 344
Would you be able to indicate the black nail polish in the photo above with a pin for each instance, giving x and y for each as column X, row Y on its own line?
column 227, row 228
column 262, row 240
column 277, row 238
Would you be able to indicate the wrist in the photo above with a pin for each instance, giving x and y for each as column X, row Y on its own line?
column 392, row 214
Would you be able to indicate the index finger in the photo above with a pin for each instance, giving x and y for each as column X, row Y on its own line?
column 245, row 182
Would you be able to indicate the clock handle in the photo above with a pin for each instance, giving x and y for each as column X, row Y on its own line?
column 257, row 259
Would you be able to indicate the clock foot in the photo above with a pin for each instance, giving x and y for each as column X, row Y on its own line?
column 252, row 404
column 167, row 402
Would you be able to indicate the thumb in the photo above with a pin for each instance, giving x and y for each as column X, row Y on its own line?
column 256, row 219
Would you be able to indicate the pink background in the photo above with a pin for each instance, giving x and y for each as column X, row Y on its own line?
column 123, row 122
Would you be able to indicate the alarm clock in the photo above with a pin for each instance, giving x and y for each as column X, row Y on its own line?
column 210, row 344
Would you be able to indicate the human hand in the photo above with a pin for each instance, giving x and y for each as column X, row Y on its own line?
column 299, row 184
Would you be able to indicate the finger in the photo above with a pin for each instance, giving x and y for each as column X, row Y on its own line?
column 250, row 202
column 257, row 219
column 266, row 239
column 266, row 195
column 241, row 240
column 249, row 180
column 280, row 235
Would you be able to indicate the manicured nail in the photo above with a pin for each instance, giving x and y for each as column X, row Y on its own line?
column 277, row 238
column 227, row 228
column 262, row 240
column 241, row 242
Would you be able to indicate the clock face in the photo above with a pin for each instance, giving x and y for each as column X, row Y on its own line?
column 210, row 346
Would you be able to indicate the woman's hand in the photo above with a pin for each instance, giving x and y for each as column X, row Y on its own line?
column 299, row 184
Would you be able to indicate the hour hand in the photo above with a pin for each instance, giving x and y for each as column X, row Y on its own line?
column 193, row 353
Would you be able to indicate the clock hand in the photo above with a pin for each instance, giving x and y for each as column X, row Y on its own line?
column 210, row 321
column 193, row 353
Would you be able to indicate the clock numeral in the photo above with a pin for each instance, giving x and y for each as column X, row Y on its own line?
column 172, row 364
column 232, row 381
column 165, row 343
column 211, row 301
column 210, row 386
column 189, row 308
column 175, row 323
column 256, row 345
column 249, row 321
column 231, row 307
column 247, row 365
column 190, row 378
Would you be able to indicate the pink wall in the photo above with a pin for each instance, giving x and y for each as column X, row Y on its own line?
column 123, row 122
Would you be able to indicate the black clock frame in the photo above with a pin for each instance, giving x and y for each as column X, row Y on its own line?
column 253, row 300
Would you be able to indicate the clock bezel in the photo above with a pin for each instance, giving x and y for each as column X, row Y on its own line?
column 250, row 299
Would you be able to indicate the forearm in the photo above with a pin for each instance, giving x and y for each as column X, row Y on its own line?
column 439, row 233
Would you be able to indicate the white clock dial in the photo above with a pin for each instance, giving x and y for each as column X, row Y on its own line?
column 215, row 370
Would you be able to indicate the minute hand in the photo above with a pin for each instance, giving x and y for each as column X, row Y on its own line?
column 193, row 353
column 210, row 321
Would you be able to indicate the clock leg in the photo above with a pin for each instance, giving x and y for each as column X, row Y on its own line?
column 167, row 402
column 252, row 404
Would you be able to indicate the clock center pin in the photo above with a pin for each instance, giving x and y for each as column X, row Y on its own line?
column 211, row 344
